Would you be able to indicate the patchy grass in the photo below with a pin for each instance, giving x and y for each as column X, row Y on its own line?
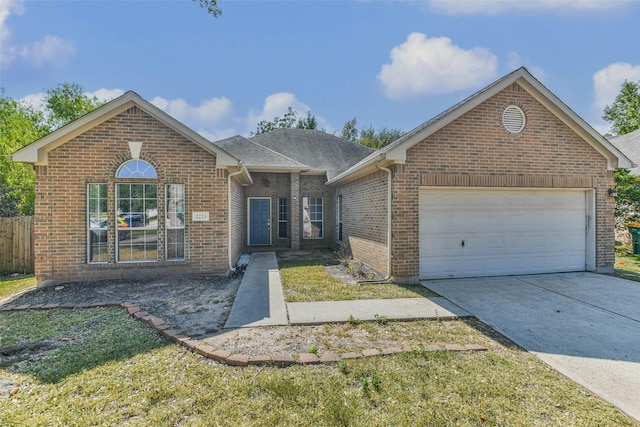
column 67, row 342
column 164, row 385
column 305, row 280
column 627, row 264
column 10, row 286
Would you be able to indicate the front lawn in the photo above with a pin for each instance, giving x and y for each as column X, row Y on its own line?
column 305, row 280
column 148, row 381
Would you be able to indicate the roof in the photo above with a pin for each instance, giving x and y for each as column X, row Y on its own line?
column 396, row 151
column 37, row 152
column 258, row 157
column 629, row 144
column 319, row 150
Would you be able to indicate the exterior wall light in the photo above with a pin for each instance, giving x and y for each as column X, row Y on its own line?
column 613, row 192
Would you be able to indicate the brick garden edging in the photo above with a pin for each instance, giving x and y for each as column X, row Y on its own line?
column 233, row 359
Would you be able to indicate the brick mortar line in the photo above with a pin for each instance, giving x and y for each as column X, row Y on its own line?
column 170, row 332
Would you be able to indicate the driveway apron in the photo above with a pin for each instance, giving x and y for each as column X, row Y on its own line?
column 585, row 325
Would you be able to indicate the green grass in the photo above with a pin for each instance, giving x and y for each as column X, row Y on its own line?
column 10, row 286
column 627, row 264
column 305, row 280
column 81, row 339
column 154, row 383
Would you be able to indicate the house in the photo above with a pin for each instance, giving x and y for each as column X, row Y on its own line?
column 629, row 144
column 508, row 181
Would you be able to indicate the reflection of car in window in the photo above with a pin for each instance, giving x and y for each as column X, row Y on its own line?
column 99, row 226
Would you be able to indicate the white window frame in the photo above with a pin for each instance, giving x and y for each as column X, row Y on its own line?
column 145, row 227
column 307, row 217
column 283, row 223
column 96, row 226
column 175, row 225
column 339, row 223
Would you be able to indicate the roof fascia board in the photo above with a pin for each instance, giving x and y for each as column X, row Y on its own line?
column 36, row 152
column 363, row 170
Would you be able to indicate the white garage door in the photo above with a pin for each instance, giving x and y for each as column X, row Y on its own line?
column 469, row 233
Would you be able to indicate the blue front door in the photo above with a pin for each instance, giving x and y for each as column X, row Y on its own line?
column 259, row 221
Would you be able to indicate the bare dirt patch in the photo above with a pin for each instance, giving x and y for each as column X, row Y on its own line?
column 198, row 305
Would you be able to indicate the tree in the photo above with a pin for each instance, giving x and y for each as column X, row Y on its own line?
column 289, row 120
column 20, row 124
column 350, row 130
column 211, row 6
column 627, row 198
column 67, row 102
column 370, row 137
column 624, row 113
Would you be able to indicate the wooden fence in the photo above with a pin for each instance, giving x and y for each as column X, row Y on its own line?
column 16, row 245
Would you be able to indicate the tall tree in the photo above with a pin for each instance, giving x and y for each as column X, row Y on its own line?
column 67, row 102
column 19, row 125
column 211, row 6
column 290, row 120
column 369, row 136
column 624, row 113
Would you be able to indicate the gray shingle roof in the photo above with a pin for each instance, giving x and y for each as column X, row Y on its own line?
column 319, row 150
column 256, row 155
column 629, row 144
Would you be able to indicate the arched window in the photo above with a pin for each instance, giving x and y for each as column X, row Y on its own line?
column 137, row 169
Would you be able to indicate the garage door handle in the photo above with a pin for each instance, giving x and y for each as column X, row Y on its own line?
column 462, row 243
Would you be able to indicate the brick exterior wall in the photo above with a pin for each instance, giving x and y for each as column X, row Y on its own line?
column 238, row 220
column 364, row 218
column 94, row 157
column 476, row 150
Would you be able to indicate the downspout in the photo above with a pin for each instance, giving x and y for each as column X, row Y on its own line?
column 240, row 165
column 389, row 256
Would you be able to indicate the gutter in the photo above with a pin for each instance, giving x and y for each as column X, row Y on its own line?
column 241, row 169
column 389, row 255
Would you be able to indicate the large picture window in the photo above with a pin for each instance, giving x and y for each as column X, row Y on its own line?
column 137, row 222
column 174, row 200
column 312, row 220
column 97, row 220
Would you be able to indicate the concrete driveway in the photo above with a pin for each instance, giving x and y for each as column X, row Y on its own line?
column 585, row 325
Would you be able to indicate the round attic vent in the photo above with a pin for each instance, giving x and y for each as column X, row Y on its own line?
column 513, row 119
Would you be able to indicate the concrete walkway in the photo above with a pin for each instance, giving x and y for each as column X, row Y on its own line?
column 260, row 302
column 313, row 313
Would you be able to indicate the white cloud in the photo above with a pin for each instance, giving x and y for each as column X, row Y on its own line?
column 515, row 61
column 106, row 95
column 608, row 81
column 423, row 65
column 494, row 7
column 50, row 51
column 209, row 112
column 276, row 105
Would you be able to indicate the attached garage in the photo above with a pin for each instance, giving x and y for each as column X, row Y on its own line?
column 509, row 181
column 493, row 232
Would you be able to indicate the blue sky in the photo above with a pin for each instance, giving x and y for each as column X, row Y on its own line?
column 388, row 63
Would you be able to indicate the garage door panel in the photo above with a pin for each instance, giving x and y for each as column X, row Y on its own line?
column 504, row 232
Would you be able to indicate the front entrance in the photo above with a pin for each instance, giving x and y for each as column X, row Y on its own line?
column 259, row 221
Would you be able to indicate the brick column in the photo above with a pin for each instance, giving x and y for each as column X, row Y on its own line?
column 295, row 210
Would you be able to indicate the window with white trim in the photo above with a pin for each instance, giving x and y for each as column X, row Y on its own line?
column 312, row 218
column 339, row 216
column 136, row 222
column 97, row 219
column 282, row 217
column 174, row 234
